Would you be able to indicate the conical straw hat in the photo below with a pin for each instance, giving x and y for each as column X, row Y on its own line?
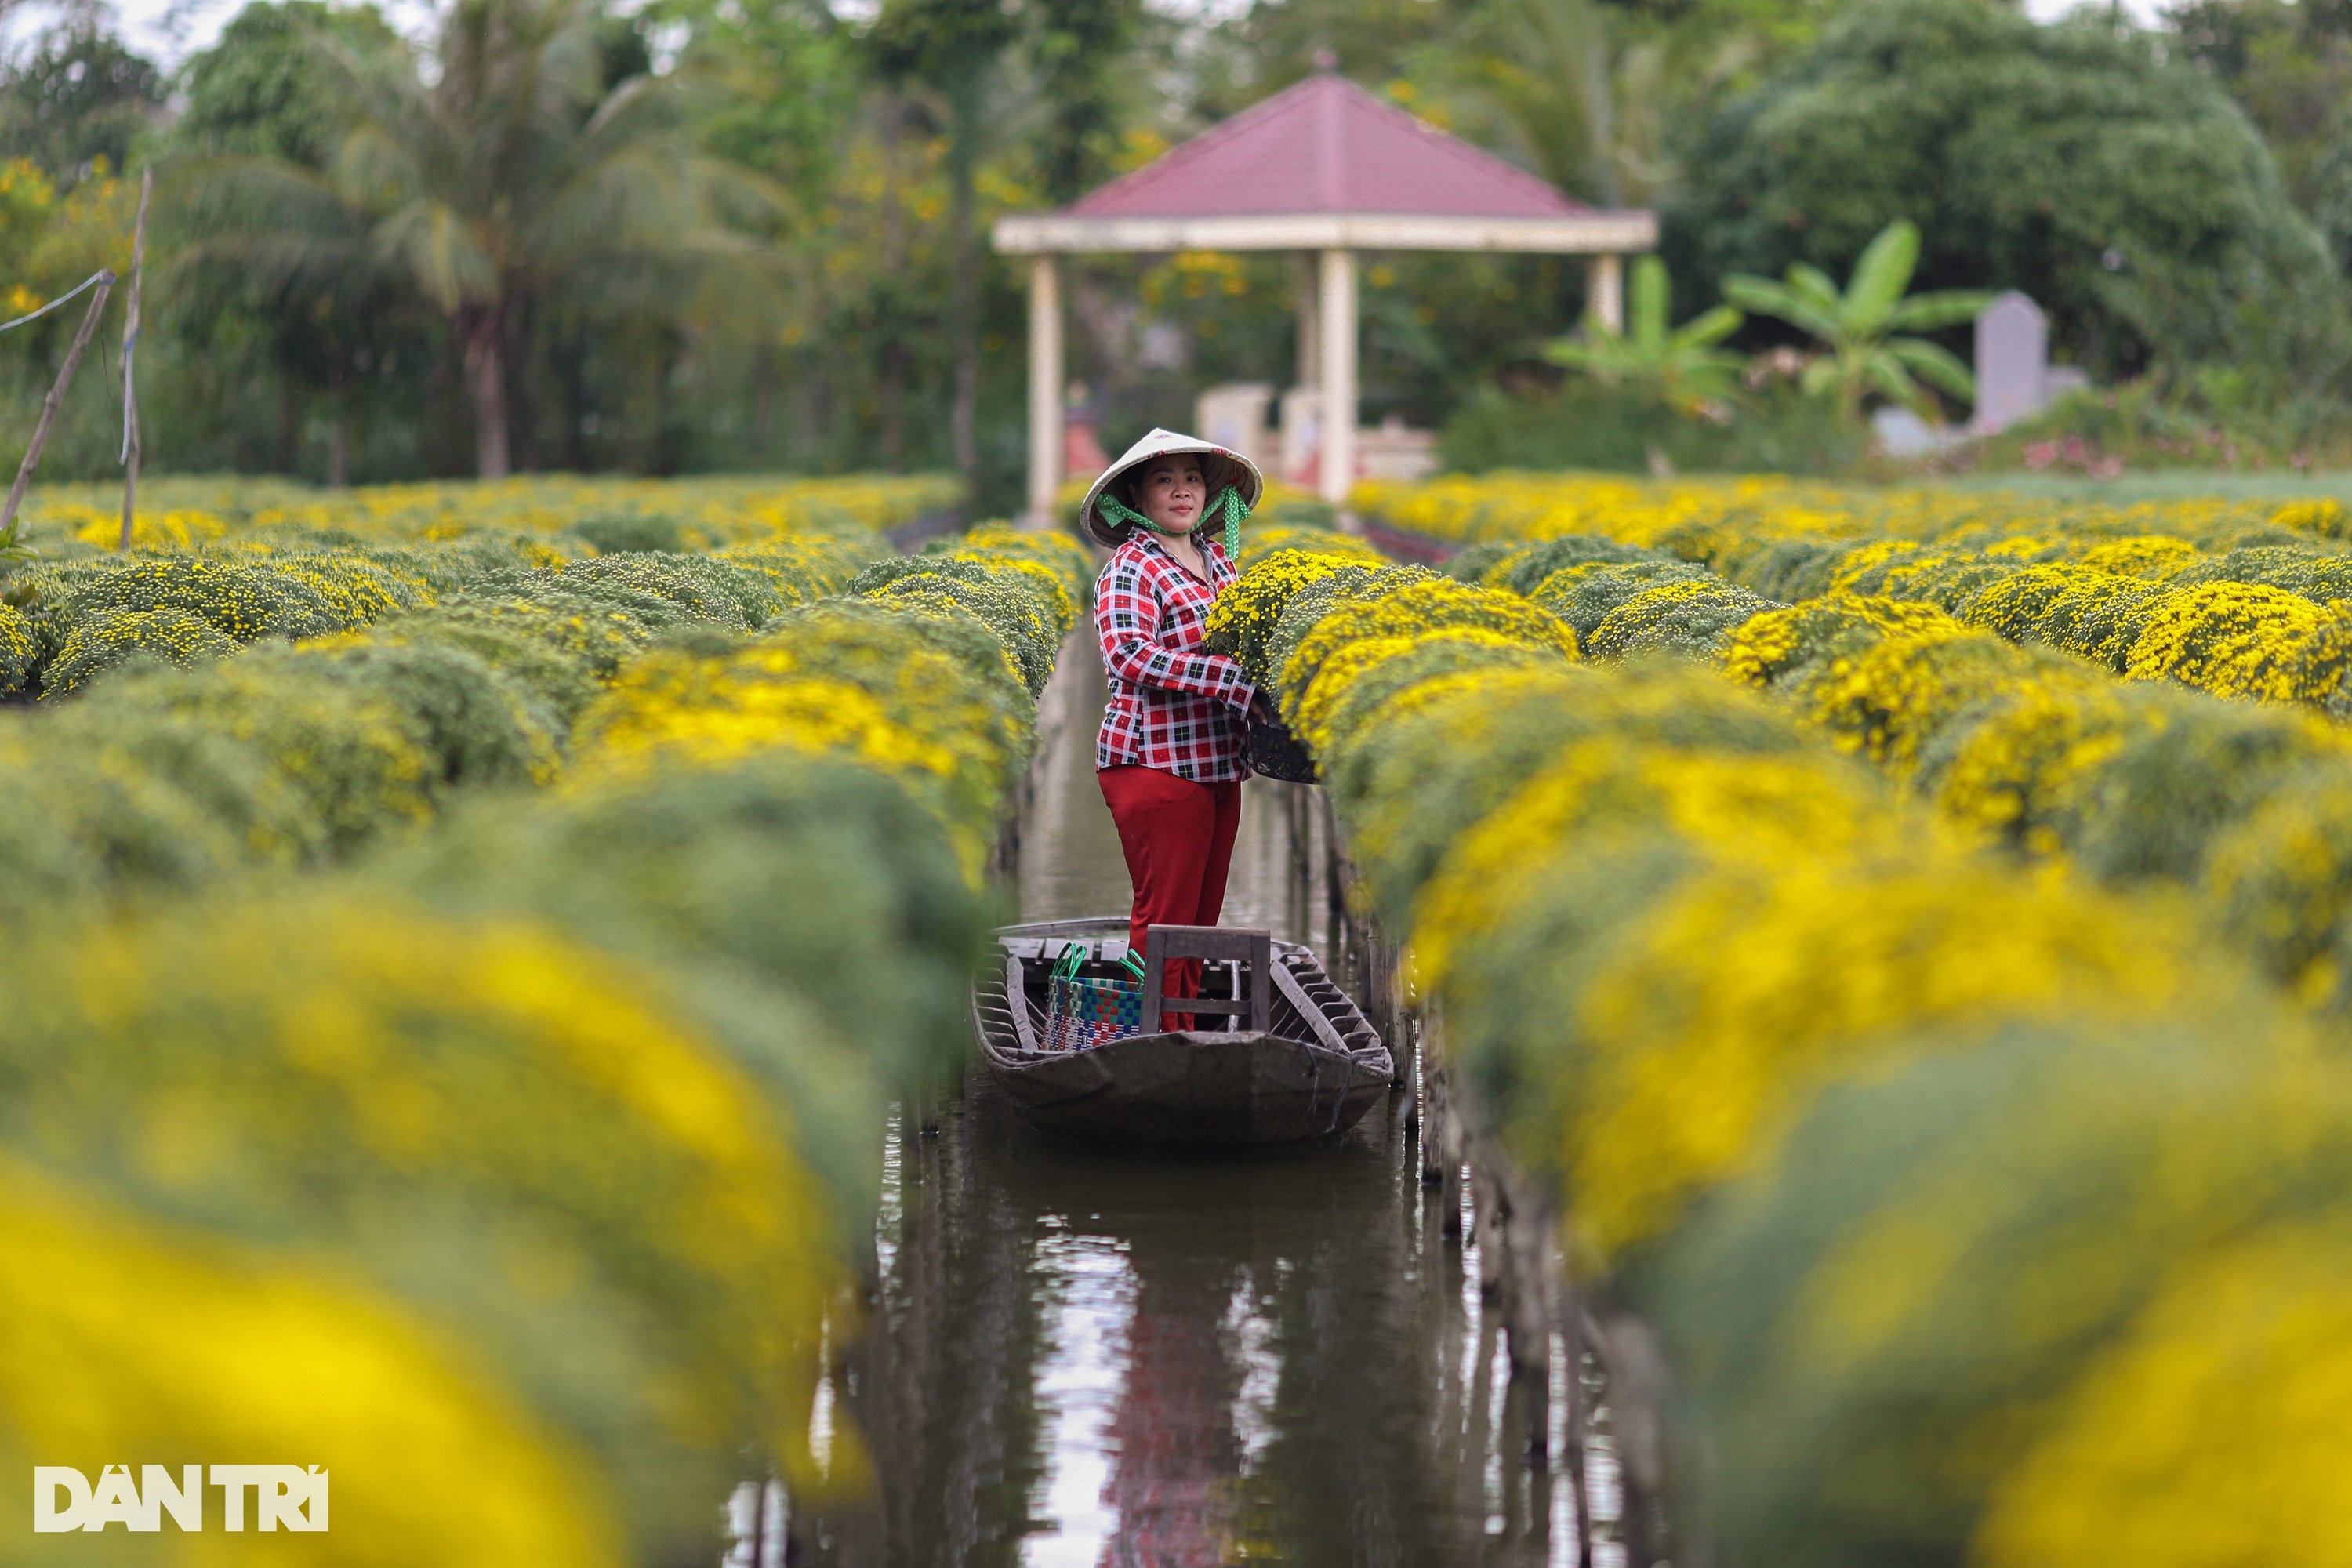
column 1220, row 466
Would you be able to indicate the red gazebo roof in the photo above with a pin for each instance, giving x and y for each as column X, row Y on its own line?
column 1326, row 145
column 1325, row 166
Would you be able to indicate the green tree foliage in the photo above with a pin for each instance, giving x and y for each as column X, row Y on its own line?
column 780, row 257
column 1595, row 95
column 1582, row 90
column 258, row 90
column 795, row 82
column 1682, row 365
column 1088, row 78
column 332, row 340
column 2123, row 191
column 2290, row 68
column 1265, row 47
column 517, row 174
column 1863, row 328
column 953, row 49
column 78, row 96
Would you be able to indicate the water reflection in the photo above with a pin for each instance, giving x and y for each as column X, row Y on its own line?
column 1086, row 1357
column 1088, row 1295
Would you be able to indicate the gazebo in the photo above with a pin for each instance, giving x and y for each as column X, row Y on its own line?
column 1323, row 168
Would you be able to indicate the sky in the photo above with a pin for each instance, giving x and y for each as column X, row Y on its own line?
column 170, row 30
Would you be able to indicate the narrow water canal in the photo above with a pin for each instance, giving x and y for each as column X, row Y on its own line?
column 1083, row 1357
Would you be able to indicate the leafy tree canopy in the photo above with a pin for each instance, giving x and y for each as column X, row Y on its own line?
column 1865, row 327
column 260, row 91
column 80, row 94
column 1681, row 365
column 2289, row 64
column 2124, row 192
column 797, row 86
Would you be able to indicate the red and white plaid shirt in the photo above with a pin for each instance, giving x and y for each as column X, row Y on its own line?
column 1171, row 707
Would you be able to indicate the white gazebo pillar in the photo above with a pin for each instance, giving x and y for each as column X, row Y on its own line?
column 1044, row 386
column 1604, row 292
column 1337, row 330
column 1310, row 368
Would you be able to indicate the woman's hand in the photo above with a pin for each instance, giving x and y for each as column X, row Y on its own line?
column 1262, row 711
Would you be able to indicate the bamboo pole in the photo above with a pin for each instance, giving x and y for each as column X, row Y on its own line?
column 131, row 444
column 49, row 407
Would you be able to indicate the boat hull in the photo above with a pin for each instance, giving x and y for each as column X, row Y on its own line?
column 1190, row 1087
column 1196, row 1089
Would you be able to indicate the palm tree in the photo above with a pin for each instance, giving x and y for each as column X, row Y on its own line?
column 953, row 52
column 1680, row 365
column 1859, row 326
column 516, row 174
column 1590, row 106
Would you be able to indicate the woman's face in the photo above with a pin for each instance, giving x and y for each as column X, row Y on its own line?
column 1171, row 492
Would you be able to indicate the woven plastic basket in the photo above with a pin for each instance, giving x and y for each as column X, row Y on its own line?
column 1081, row 1014
column 1271, row 749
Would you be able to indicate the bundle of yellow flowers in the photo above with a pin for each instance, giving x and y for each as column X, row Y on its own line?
column 1244, row 620
column 909, row 681
column 1272, row 539
column 1382, row 618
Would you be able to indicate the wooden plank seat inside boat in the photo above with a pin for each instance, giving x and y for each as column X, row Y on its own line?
column 1246, row 953
column 1309, row 1065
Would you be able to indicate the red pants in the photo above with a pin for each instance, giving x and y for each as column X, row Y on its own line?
column 1179, row 840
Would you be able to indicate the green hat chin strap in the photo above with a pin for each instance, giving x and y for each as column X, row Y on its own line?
column 1228, row 501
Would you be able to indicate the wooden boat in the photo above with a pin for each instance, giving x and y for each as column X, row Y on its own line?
column 1311, row 1071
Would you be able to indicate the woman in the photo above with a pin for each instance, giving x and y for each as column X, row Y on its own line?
column 1169, row 755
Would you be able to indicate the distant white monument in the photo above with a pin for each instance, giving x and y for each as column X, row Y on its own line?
column 2015, row 379
column 1234, row 416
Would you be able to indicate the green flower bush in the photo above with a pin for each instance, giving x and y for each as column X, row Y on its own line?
column 415, row 671
column 1242, row 622
column 1013, row 604
column 1688, row 620
column 578, row 1089
column 19, row 649
column 242, row 601
column 1585, row 593
column 1673, row 930
column 526, row 1140
column 779, row 872
column 1522, row 568
column 103, row 640
column 1882, row 1331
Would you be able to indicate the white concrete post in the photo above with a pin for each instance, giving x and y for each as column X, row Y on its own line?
column 1045, row 387
column 1604, row 292
column 1337, row 333
column 1310, row 348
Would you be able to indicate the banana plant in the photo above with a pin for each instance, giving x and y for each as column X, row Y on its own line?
column 1680, row 365
column 1863, row 328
